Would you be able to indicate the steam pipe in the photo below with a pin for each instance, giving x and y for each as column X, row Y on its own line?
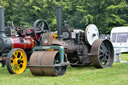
column 2, row 31
column 59, row 22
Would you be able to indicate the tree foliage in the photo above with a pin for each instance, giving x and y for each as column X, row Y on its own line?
column 78, row 13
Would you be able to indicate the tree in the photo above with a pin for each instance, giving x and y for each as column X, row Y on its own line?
column 78, row 13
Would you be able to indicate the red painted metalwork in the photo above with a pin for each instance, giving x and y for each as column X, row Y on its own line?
column 26, row 43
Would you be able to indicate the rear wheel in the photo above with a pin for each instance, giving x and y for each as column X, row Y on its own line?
column 16, row 61
column 102, row 53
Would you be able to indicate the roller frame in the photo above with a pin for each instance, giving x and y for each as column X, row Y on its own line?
column 61, row 53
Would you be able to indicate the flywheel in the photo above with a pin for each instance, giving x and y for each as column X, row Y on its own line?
column 91, row 33
column 102, row 53
column 43, row 63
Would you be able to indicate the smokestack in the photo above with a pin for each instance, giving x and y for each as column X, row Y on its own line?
column 2, row 31
column 59, row 22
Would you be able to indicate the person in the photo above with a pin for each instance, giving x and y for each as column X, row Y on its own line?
column 10, row 25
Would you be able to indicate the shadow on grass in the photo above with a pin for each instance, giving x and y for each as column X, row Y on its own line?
column 4, row 72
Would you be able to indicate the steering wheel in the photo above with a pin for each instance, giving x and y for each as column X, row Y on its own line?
column 40, row 26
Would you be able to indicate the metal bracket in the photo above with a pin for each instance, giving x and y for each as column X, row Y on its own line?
column 45, row 66
column 60, row 48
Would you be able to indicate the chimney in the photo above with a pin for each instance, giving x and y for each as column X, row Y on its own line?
column 2, row 31
column 59, row 22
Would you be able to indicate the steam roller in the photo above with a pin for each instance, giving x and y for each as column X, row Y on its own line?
column 78, row 47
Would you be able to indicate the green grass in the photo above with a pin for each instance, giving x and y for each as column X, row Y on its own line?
column 117, row 75
column 124, row 56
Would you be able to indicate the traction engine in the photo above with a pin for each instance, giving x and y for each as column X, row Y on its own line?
column 16, row 48
column 77, row 47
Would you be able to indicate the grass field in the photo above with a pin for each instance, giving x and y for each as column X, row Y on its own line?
column 117, row 75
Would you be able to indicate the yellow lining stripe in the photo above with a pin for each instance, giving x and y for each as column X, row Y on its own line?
column 32, row 43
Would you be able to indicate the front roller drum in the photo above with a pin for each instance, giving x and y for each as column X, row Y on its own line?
column 45, row 62
column 16, row 61
column 102, row 53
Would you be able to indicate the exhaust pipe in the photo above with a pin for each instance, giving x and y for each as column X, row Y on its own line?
column 5, row 42
column 59, row 23
column 2, row 31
